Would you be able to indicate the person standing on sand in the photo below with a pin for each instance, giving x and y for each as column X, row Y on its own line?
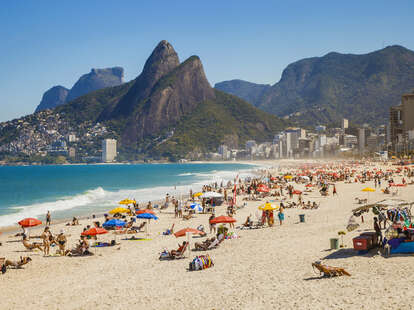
column 212, row 226
column 281, row 216
column 48, row 218
column 334, row 191
column 46, row 240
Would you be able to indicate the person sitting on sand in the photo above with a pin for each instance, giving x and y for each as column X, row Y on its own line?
column 31, row 246
column 169, row 231
column 61, row 241
column 82, row 248
column 248, row 222
column 179, row 250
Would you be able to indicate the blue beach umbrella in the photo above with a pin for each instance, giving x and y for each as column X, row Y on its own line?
column 147, row 216
column 114, row 222
column 196, row 207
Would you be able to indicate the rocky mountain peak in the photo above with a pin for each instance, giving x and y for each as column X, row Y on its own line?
column 52, row 98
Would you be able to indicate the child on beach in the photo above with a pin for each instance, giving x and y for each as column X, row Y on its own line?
column 281, row 216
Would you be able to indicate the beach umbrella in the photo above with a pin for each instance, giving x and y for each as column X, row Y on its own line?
column 192, row 231
column 308, row 185
column 127, row 202
column 196, row 207
column 222, row 219
column 212, row 195
column 147, row 216
column 29, row 222
column 198, row 194
column 296, row 192
column 114, row 222
column 145, row 211
column 368, row 189
column 187, row 232
column 94, row 231
column 288, row 177
column 119, row 210
column 268, row 207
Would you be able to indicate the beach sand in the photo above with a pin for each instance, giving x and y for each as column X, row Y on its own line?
column 266, row 268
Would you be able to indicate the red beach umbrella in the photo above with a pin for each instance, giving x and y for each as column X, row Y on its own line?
column 94, row 231
column 308, row 185
column 145, row 211
column 183, row 232
column 29, row 222
column 222, row 219
column 296, row 192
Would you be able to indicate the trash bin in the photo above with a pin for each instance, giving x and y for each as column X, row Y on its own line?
column 334, row 243
column 302, row 218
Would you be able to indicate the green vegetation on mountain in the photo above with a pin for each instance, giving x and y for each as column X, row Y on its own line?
column 226, row 119
column 325, row 89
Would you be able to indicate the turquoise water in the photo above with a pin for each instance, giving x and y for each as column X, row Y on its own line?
column 31, row 191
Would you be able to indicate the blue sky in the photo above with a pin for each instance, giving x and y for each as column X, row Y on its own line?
column 47, row 43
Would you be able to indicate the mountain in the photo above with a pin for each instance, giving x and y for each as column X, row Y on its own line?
column 325, row 89
column 53, row 98
column 95, row 80
column 170, row 110
column 250, row 92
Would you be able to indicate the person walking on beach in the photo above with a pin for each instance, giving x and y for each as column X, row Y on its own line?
column 334, row 191
column 212, row 226
column 48, row 218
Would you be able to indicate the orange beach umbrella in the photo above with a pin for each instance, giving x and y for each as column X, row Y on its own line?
column 94, row 231
column 222, row 219
column 29, row 222
column 183, row 232
column 145, row 211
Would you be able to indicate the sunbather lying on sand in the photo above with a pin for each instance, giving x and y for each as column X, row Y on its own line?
column 31, row 246
column 18, row 264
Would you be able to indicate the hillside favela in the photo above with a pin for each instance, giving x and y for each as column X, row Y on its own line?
column 220, row 155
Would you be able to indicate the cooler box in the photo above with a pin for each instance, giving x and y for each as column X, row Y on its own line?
column 362, row 243
column 373, row 235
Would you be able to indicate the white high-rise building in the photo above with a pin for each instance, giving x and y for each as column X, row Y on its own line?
column 108, row 150
column 361, row 139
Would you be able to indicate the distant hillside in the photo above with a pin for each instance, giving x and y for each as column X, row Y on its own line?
column 326, row 89
column 250, row 92
column 52, row 98
column 94, row 80
column 169, row 111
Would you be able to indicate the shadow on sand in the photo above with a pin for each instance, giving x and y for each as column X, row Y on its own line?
column 346, row 253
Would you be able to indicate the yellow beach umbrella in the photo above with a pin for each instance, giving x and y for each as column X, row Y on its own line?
column 288, row 177
column 119, row 210
column 268, row 207
column 127, row 201
column 368, row 189
column 198, row 194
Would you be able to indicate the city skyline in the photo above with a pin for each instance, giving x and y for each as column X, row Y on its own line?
column 50, row 44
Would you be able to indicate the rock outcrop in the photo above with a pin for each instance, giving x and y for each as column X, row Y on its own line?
column 53, row 98
column 96, row 79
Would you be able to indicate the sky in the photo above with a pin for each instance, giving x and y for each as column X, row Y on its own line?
column 47, row 43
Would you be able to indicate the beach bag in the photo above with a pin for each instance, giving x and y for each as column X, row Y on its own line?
column 200, row 262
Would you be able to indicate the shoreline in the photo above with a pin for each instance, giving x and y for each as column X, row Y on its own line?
column 14, row 228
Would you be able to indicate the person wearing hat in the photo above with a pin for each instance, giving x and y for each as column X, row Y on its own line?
column 61, row 241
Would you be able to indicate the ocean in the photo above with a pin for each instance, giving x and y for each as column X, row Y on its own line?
column 76, row 190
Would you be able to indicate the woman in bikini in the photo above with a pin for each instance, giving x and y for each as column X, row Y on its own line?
column 46, row 236
column 61, row 241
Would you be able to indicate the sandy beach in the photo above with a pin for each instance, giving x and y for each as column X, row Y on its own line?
column 267, row 268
